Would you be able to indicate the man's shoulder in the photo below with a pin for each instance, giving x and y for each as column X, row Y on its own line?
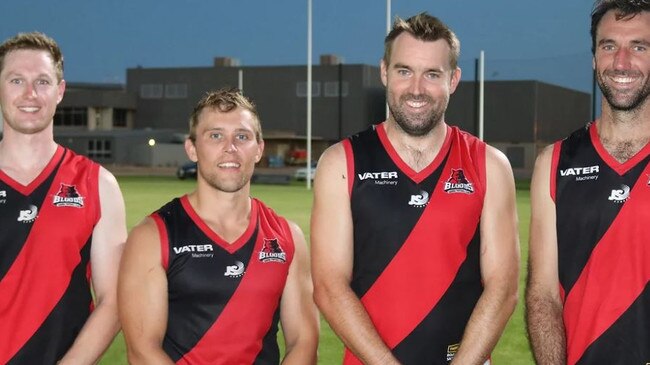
column 466, row 137
column 263, row 208
column 170, row 208
column 270, row 216
column 370, row 131
column 78, row 158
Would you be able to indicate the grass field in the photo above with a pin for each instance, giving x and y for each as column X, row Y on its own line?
column 145, row 194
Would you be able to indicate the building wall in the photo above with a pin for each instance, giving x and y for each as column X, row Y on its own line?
column 170, row 108
column 160, row 155
column 508, row 113
column 521, row 156
column 560, row 111
column 520, row 116
column 278, row 91
column 100, row 101
column 125, row 147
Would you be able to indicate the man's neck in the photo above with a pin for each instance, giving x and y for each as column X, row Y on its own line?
column 227, row 214
column 416, row 151
column 24, row 156
column 624, row 133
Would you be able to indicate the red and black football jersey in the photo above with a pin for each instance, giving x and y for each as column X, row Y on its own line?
column 603, row 250
column 416, row 242
column 223, row 297
column 45, row 236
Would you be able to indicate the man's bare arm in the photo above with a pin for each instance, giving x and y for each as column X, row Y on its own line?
column 142, row 294
column 298, row 313
column 543, row 302
column 108, row 240
column 499, row 263
column 332, row 254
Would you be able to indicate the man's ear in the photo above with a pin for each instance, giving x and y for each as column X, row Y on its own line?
column 190, row 150
column 260, row 151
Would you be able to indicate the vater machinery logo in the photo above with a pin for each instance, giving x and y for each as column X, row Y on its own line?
column 68, row 197
column 380, row 178
column 197, row 251
column 581, row 173
column 3, row 196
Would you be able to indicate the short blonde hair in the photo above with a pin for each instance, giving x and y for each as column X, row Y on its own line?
column 34, row 41
column 426, row 28
column 225, row 100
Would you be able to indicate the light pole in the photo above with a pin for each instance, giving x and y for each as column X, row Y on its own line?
column 309, row 81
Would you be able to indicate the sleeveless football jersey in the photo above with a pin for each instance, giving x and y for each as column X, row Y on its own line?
column 223, row 298
column 416, row 242
column 45, row 237
column 603, row 250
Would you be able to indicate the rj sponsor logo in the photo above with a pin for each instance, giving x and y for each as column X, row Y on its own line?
column 235, row 271
column 28, row 215
column 620, row 195
column 419, row 200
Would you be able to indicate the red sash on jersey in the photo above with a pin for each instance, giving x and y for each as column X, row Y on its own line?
column 421, row 272
column 615, row 275
column 221, row 345
column 41, row 272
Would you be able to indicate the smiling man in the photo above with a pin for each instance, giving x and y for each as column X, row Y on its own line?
column 62, row 218
column 588, row 299
column 205, row 279
column 415, row 251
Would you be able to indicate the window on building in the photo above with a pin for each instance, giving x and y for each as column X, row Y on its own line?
column 71, row 117
column 331, row 89
column 151, row 91
column 301, row 89
column 120, row 117
column 99, row 149
column 176, row 91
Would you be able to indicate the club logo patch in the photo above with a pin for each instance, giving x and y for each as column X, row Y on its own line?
column 458, row 183
column 272, row 251
column 68, row 197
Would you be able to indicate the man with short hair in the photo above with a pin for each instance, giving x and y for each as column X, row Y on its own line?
column 207, row 277
column 414, row 227
column 62, row 218
column 588, row 299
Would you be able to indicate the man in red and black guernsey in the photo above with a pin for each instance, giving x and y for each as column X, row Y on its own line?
column 62, row 218
column 207, row 278
column 588, row 300
column 414, row 227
